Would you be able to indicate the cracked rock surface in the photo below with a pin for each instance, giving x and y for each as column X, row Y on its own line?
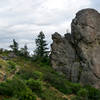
column 77, row 55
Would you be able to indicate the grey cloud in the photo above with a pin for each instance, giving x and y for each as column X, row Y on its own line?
column 24, row 19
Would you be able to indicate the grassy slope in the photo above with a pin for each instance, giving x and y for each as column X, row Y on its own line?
column 55, row 86
column 50, row 92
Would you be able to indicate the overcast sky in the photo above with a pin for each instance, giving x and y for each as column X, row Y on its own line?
column 24, row 19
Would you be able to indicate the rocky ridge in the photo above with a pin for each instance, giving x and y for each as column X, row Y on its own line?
column 77, row 55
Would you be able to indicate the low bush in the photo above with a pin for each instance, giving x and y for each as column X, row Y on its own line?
column 51, row 94
column 27, row 74
column 83, row 94
column 75, row 98
column 12, row 87
column 93, row 93
column 42, row 61
column 5, row 89
column 27, row 95
column 58, row 82
column 11, row 65
column 35, row 85
column 75, row 87
column 17, row 88
column 37, row 75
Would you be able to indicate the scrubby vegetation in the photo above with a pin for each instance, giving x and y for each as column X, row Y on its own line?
column 33, row 78
column 34, row 81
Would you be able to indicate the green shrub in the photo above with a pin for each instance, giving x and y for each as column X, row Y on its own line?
column 42, row 61
column 35, row 85
column 11, row 65
column 5, row 89
column 27, row 95
column 51, row 94
column 27, row 74
column 83, row 94
column 37, row 75
column 75, row 87
column 12, row 87
column 17, row 88
column 75, row 98
column 58, row 82
column 93, row 93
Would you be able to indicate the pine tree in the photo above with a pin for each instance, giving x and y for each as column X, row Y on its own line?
column 41, row 45
column 24, row 51
column 14, row 46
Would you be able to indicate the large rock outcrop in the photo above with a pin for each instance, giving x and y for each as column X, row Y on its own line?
column 77, row 55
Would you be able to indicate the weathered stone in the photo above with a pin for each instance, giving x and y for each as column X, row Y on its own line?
column 86, row 25
column 86, row 33
column 75, row 72
column 63, row 55
column 77, row 55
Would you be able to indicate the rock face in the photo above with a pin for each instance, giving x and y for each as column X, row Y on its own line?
column 77, row 55
column 61, row 60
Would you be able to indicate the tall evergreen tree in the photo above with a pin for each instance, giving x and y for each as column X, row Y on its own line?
column 14, row 46
column 24, row 51
column 41, row 45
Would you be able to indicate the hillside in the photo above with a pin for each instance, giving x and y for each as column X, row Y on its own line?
column 24, row 79
column 70, row 71
column 24, row 69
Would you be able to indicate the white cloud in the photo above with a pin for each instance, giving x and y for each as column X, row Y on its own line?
column 24, row 19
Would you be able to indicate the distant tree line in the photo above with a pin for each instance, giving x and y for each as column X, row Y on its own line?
column 15, row 49
column 40, row 53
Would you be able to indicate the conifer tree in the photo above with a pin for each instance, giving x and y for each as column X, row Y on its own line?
column 24, row 51
column 14, row 46
column 41, row 45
